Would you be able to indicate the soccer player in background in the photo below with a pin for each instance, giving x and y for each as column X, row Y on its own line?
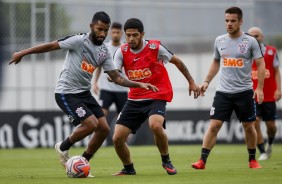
column 272, row 93
column 143, row 60
column 85, row 53
column 109, row 92
column 233, row 57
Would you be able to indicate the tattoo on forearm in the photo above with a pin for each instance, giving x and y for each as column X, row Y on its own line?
column 184, row 70
column 115, row 76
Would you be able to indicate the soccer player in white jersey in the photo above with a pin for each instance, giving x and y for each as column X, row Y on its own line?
column 110, row 92
column 85, row 53
column 233, row 57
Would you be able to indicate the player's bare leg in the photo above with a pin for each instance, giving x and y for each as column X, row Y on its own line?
column 260, row 141
column 86, row 128
column 105, row 111
column 251, row 140
column 119, row 139
column 208, row 143
column 211, row 135
column 258, row 130
column 271, row 132
column 156, row 124
column 101, row 133
column 161, row 141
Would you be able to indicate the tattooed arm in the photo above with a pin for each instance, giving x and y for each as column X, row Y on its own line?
column 184, row 70
column 118, row 79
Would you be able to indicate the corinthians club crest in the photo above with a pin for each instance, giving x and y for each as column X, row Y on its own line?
column 242, row 48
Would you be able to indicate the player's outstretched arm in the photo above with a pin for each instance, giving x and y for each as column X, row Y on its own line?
column 184, row 70
column 213, row 70
column 277, row 93
column 261, row 74
column 118, row 79
column 47, row 47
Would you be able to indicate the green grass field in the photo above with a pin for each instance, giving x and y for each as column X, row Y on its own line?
column 227, row 164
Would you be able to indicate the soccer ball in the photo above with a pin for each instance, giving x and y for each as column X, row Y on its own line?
column 77, row 167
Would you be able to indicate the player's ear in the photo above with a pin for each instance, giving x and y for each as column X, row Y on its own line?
column 241, row 21
column 142, row 34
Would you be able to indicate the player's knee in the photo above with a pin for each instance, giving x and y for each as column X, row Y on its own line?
column 105, row 130
column 91, row 127
column 118, row 140
column 249, row 127
column 156, row 127
column 215, row 129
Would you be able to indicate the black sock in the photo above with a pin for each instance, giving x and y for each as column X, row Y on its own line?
column 66, row 144
column 205, row 153
column 261, row 148
column 129, row 167
column 252, row 154
column 165, row 158
column 87, row 156
column 270, row 140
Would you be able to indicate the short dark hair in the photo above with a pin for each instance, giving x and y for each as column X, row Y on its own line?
column 102, row 16
column 116, row 25
column 235, row 10
column 134, row 23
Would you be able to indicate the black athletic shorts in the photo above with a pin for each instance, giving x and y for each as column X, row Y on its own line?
column 267, row 111
column 79, row 106
column 135, row 113
column 242, row 103
column 107, row 98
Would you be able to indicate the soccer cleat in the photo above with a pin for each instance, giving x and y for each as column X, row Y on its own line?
column 169, row 168
column 263, row 156
column 90, row 175
column 124, row 172
column 63, row 155
column 268, row 150
column 199, row 165
column 253, row 164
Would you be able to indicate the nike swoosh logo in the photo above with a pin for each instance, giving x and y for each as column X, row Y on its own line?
column 135, row 59
column 251, row 117
column 222, row 48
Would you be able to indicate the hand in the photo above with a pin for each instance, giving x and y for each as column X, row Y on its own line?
column 203, row 88
column 16, row 58
column 110, row 79
column 96, row 88
column 277, row 94
column 259, row 94
column 148, row 86
column 195, row 88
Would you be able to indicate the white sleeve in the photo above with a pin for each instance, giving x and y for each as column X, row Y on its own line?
column 216, row 54
column 256, row 49
column 118, row 59
column 71, row 42
column 276, row 61
column 108, row 64
column 164, row 54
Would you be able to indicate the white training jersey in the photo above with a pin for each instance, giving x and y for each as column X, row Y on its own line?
column 236, row 58
column 82, row 58
column 104, row 84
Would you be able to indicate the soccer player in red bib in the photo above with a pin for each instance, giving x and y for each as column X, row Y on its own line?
column 272, row 93
column 143, row 60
